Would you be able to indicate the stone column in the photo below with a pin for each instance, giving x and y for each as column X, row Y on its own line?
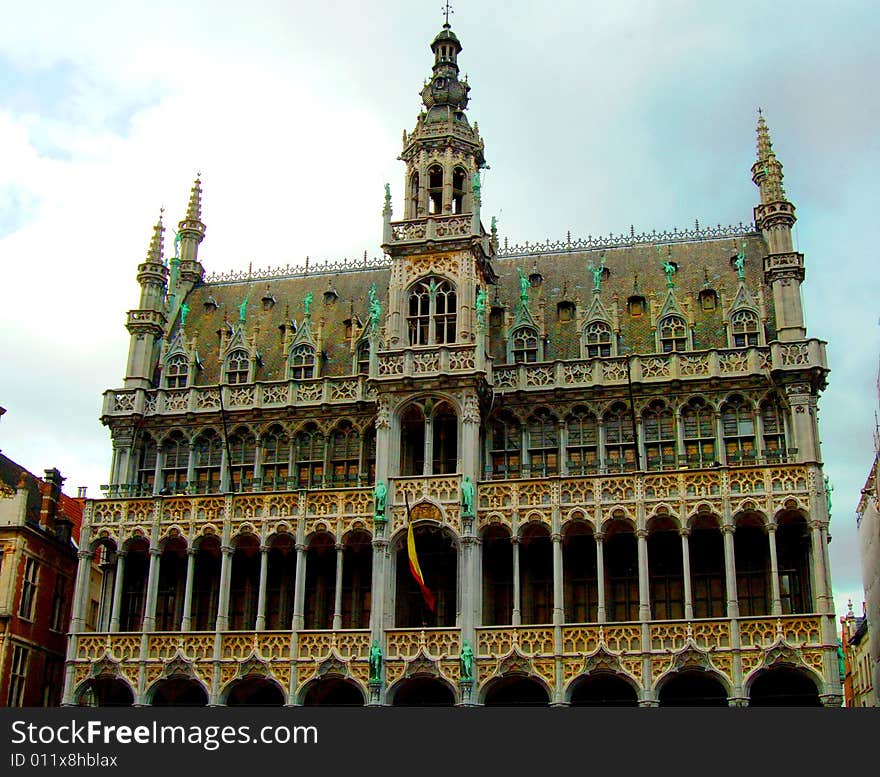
column 644, row 587
column 730, row 572
column 558, row 581
column 720, row 448
column 775, row 597
column 517, row 613
column 600, row 576
column 377, row 602
column 81, row 591
column 223, row 603
column 186, row 620
column 152, row 590
column 118, row 579
column 299, row 589
column 337, row 591
column 428, row 465
column 820, row 575
column 261, row 596
column 686, row 574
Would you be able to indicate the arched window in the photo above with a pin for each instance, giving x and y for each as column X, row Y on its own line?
column 505, row 448
column 620, row 446
column 275, row 448
column 582, row 453
column 145, row 475
column 444, row 430
column 208, row 450
column 238, row 366
column 363, row 357
column 176, row 371
column 543, row 444
column 412, row 441
column 414, row 195
column 738, row 427
column 458, row 181
column 743, row 328
column 773, row 422
column 658, row 422
column 302, row 362
column 435, row 189
column 243, row 450
column 673, row 334
column 344, row 454
column 698, row 422
column 368, row 471
column 524, row 347
column 308, row 451
column 175, row 462
column 432, row 312
column 597, row 339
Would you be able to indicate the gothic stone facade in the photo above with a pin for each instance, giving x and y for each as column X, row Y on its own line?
column 636, row 416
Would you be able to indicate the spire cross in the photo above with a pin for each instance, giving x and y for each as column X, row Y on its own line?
column 446, row 11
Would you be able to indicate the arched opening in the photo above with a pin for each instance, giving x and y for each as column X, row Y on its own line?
column 172, row 577
column 175, row 464
column 603, row 690
column 597, row 340
column 793, row 556
column 524, row 345
column 243, row 452
column 145, row 472
column 693, row 688
column 505, row 447
column 673, row 333
column 708, row 584
column 255, row 692
column 308, row 452
column 744, row 329
column 536, row 574
column 752, row 554
column 275, row 450
column 413, row 196
column 206, row 583
column 773, row 429
column 543, row 444
column 302, row 362
column 106, row 692
column 431, row 312
column 357, row 570
column 620, row 446
column 784, row 687
column 368, row 471
column 579, row 573
column 665, row 569
column 345, row 444
column 280, row 582
column 423, row 692
column 412, row 441
column 438, row 560
column 435, row 189
column 445, row 442
column 237, row 366
column 208, row 454
column 516, row 691
column 333, row 692
column 458, row 182
column 621, row 559
column 698, row 427
column 582, row 449
column 244, row 587
column 497, row 576
column 134, row 585
column 738, row 428
column 179, row 692
column 658, row 427
column 320, row 582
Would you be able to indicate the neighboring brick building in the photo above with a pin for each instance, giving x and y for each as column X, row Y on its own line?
column 609, row 447
column 858, row 686
column 39, row 526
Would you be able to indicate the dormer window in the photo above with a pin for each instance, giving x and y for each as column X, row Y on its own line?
column 744, row 329
column 176, row 371
column 363, row 358
column 673, row 334
column 238, row 366
column 565, row 312
column 302, row 362
column 597, row 339
column 708, row 300
column 210, row 305
column 636, row 305
column 525, row 345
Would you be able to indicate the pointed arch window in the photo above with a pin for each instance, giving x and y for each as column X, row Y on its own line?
column 363, row 357
column 620, row 446
column 543, row 447
column 698, row 422
column 414, row 195
column 344, row 454
column 368, row 470
column 738, row 427
column 435, row 189
column 308, row 451
column 243, row 450
column 238, row 365
column 145, row 475
column 175, row 464
column 582, row 453
column 459, row 176
column 597, row 339
column 505, row 448
column 275, row 448
column 673, row 334
column 431, row 315
column 302, row 362
column 773, row 423
column 744, row 328
column 208, row 451
column 658, row 422
column 524, row 345
column 177, row 371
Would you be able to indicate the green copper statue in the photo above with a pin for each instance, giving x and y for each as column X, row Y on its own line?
column 670, row 269
column 740, row 262
column 597, row 271
column 375, row 662
column 177, row 237
column 467, row 496
column 380, row 493
column 481, row 309
column 828, row 489
column 184, row 312
column 242, row 309
column 477, row 195
column 307, row 304
column 375, row 309
column 523, row 287
column 467, row 662
column 494, row 224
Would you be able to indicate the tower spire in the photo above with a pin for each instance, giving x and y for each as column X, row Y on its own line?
column 767, row 170
column 194, row 209
column 155, row 252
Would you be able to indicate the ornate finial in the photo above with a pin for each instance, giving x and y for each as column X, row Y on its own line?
column 194, row 209
column 597, row 271
column 446, row 11
column 740, row 262
column 156, row 249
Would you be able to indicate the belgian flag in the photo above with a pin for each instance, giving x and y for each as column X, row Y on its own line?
column 414, row 561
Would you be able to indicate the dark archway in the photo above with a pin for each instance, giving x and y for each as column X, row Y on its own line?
column 320, row 582
column 106, row 692
column 579, row 573
column 357, row 571
column 752, row 554
column 621, row 571
column 536, row 574
column 179, row 692
column 516, row 691
column 280, row 582
column 423, row 692
column 438, row 559
column 603, row 690
column 784, row 687
column 693, row 688
column 244, row 586
column 134, row 585
column 206, row 583
column 333, row 692
column 172, row 576
column 255, row 692
column 497, row 563
column 665, row 569
column 706, row 549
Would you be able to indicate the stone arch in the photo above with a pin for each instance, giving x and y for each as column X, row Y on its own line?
column 708, row 569
column 105, row 690
column 580, row 571
column 752, row 554
column 516, row 689
column 177, row 691
column 784, row 685
column 422, row 691
column 437, row 548
column 332, row 690
column 692, row 687
column 536, row 572
column 497, row 574
column 621, row 569
column 602, row 689
column 253, row 691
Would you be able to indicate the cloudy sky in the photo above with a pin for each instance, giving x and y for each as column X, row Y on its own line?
column 595, row 119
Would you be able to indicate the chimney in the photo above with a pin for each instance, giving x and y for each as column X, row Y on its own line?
column 81, row 492
column 50, row 495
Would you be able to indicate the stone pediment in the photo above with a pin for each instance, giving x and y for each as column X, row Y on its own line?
column 515, row 663
column 333, row 665
column 422, row 665
column 781, row 653
column 178, row 666
column 253, row 666
column 601, row 661
column 690, row 657
column 107, row 666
